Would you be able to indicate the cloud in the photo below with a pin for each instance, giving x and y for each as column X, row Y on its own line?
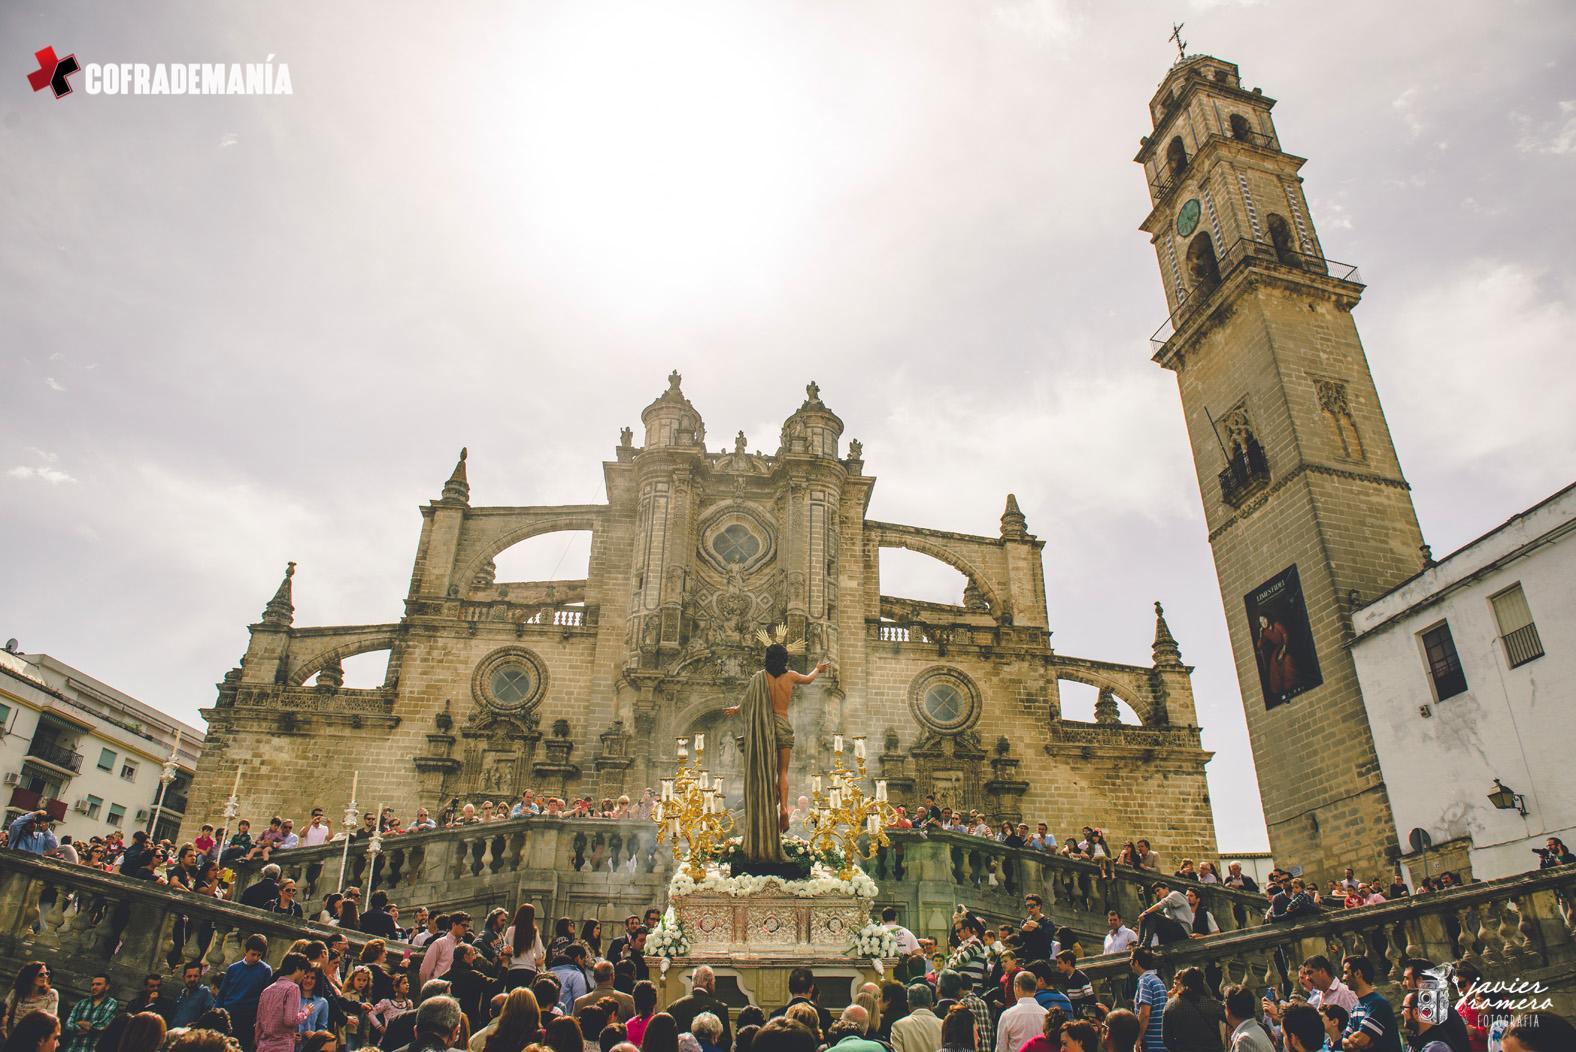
column 53, row 384
column 1556, row 136
column 1405, row 104
column 53, row 476
column 1492, row 339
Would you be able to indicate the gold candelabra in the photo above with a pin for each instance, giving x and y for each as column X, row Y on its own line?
column 692, row 809
column 842, row 813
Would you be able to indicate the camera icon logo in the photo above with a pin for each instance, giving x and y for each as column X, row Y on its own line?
column 1435, row 992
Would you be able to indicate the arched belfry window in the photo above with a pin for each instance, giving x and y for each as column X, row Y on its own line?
column 1239, row 127
column 1280, row 237
column 1176, row 157
column 1203, row 268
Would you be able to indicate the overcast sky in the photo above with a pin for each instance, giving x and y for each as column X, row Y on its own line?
column 237, row 331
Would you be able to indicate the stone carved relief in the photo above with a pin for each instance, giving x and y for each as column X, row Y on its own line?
column 1338, row 417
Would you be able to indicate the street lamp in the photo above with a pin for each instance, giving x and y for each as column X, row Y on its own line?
column 352, row 812
column 374, row 846
column 1506, row 799
column 166, row 776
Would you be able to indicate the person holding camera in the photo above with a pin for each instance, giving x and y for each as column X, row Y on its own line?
column 30, row 833
column 1552, row 853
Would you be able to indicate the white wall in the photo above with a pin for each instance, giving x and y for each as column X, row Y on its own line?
column 1515, row 724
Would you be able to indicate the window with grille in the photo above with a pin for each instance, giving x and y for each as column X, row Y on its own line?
column 1516, row 628
column 1444, row 664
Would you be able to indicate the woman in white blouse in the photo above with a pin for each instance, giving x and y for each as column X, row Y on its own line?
column 522, row 946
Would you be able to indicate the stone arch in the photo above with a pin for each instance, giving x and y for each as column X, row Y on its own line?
column 1124, row 692
column 952, row 558
column 583, row 521
column 1203, row 269
column 302, row 670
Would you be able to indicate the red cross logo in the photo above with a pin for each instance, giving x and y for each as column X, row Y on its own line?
column 52, row 72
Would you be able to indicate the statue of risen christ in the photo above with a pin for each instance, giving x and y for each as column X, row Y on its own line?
column 768, row 747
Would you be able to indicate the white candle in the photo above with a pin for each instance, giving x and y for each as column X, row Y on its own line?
column 881, row 791
column 700, row 742
column 721, row 792
column 873, row 824
column 705, row 780
column 837, row 743
column 837, row 797
column 859, row 748
column 815, row 784
column 683, row 748
column 673, row 829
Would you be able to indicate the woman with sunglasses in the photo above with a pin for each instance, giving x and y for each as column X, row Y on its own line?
column 30, row 992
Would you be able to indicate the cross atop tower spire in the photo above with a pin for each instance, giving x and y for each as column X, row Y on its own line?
column 1176, row 35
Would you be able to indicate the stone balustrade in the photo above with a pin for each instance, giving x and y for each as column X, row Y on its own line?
column 83, row 921
column 610, row 868
column 1517, row 927
column 567, row 867
column 926, row 875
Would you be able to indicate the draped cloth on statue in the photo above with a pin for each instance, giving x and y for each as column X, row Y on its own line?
column 762, row 840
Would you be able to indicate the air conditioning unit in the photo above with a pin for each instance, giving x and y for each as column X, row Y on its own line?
column 11, row 778
column 80, row 807
column 142, row 814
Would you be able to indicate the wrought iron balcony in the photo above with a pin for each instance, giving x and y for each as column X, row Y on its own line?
column 1523, row 645
column 1169, row 179
column 56, row 754
column 1247, row 472
column 1245, row 252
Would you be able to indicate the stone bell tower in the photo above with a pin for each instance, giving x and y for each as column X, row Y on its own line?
column 1308, row 513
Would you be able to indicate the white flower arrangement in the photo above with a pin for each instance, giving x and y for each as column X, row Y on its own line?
column 875, row 942
column 822, row 881
column 668, row 938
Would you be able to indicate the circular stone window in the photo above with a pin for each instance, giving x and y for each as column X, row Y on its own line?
column 946, row 700
column 511, row 679
column 735, row 545
column 735, row 538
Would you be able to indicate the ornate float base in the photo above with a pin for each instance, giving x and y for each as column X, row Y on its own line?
column 770, row 922
column 762, row 979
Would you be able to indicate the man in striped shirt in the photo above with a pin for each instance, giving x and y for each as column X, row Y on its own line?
column 1149, row 1004
column 971, row 959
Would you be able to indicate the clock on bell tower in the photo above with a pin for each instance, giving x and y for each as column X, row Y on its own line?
column 1308, row 512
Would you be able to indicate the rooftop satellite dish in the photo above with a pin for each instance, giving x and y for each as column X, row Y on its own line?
column 12, row 646
column 1419, row 839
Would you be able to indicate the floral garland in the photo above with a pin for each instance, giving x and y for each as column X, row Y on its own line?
column 668, row 939
column 875, row 942
column 821, row 881
column 796, row 849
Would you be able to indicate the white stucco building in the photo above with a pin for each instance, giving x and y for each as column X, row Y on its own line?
column 88, row 753
column 1468, row 673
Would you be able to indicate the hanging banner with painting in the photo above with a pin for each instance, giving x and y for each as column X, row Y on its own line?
column 1282, row 638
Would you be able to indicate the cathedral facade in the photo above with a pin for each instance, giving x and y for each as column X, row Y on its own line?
column 580, row 687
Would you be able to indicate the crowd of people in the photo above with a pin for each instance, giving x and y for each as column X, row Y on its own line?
column 506, row 984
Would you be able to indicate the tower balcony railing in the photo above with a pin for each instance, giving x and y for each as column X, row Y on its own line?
column 1170, row 179
column 1246, row 251
column 1244, row 474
